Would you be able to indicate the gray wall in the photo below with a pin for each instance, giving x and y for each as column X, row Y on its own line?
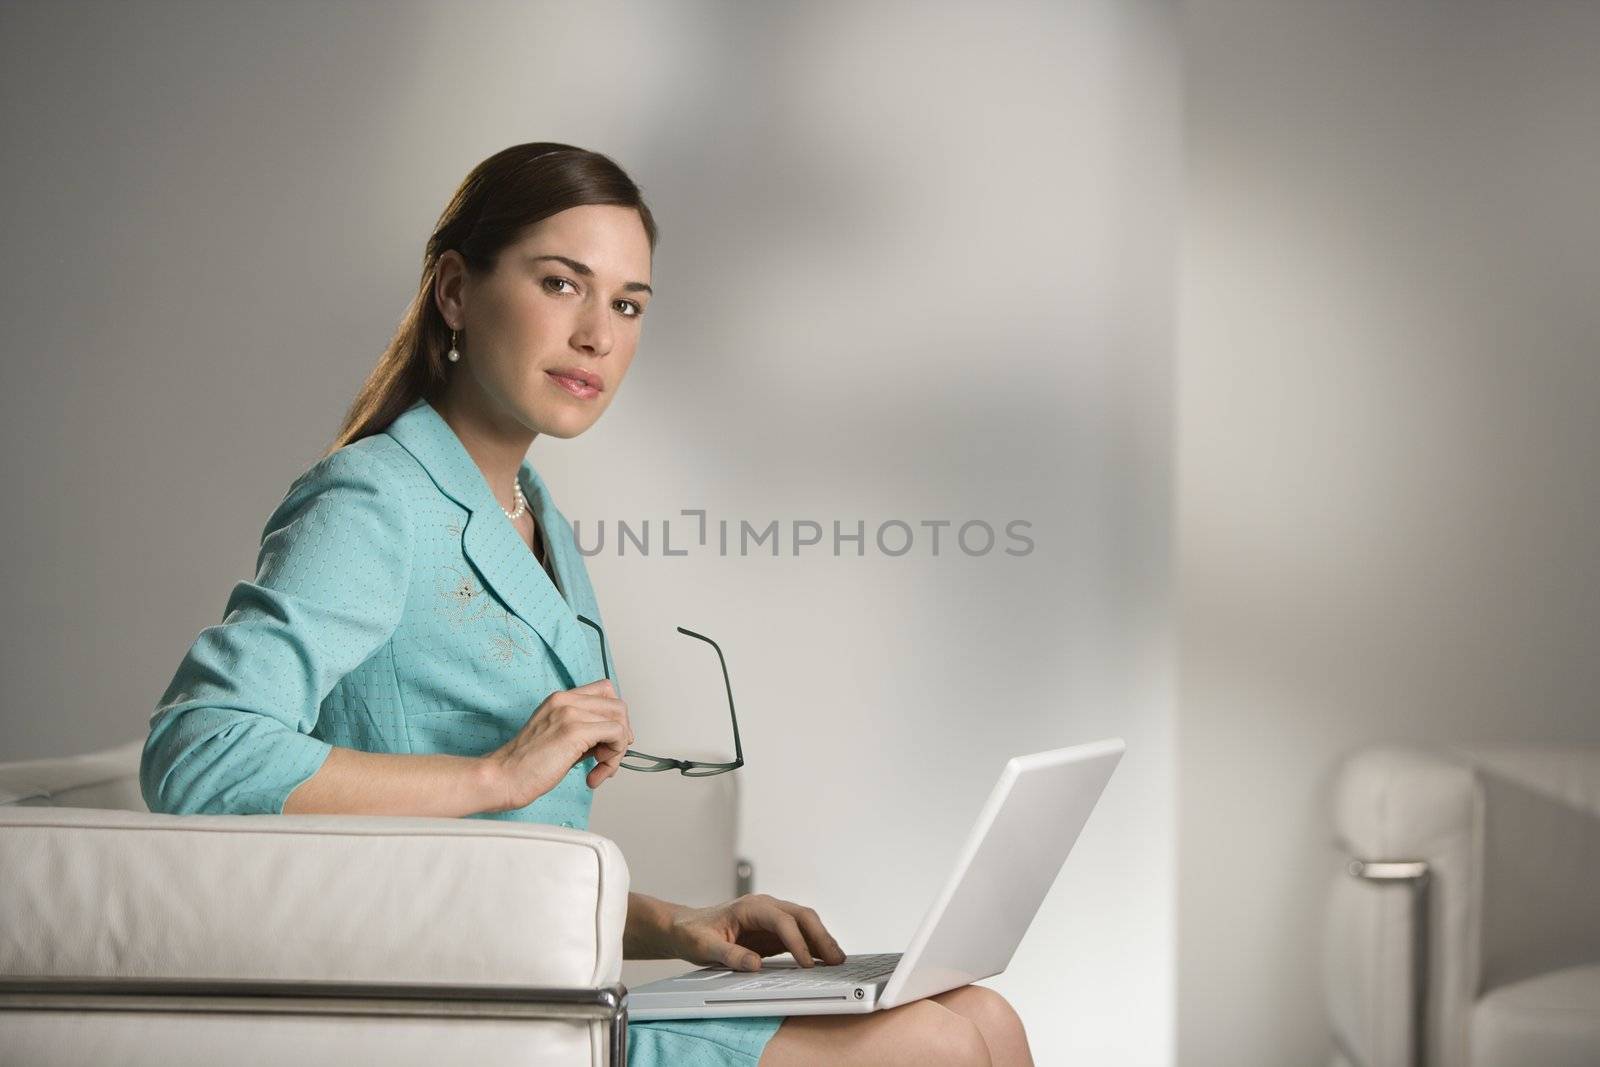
column 917, row 263
column 1388, row 379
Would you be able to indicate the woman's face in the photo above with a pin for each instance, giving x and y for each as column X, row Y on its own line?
column 548, row 335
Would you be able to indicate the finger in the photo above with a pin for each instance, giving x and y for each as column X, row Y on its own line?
column 598, row 732
column 599, row 773
column 608, row 761
column 599, row 685
column 817, row 934
column 606, row 741
column 591, row 705
column 599, row 703
column 740, row 959
column 613, row 748
column 771, row 917
column 607, row 735
column 608, row 756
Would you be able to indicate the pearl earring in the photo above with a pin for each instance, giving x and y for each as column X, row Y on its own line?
column 452, row 355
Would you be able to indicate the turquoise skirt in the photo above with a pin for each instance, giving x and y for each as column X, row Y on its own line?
column 700, row 1042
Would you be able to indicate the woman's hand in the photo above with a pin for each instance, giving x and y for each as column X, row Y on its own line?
column 737, row 934
column 570, row 725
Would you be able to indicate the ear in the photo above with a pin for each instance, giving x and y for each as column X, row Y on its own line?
column 449, row 288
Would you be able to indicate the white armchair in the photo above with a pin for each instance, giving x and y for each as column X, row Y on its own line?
column 140, row 938
column 1463, row 929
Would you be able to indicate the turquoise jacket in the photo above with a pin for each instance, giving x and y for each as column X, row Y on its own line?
column 394, row 609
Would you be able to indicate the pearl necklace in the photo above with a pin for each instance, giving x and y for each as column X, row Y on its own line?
column 522, row 503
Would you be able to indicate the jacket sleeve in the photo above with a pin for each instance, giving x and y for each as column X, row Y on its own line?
column 231, row 734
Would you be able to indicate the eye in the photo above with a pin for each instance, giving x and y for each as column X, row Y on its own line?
column 556, row 280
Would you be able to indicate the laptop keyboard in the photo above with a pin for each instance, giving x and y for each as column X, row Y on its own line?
column 853, row 969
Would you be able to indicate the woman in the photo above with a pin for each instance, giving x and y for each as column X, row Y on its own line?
column 367, row 670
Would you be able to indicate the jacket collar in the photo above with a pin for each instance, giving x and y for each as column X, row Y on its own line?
column 488, row 539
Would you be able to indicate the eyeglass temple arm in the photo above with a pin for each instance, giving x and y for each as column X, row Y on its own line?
column 738, row 749
column 605, row 663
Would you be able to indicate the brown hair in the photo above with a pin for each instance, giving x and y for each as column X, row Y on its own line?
column 502, row 196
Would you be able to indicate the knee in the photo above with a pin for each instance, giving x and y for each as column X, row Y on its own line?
column 943, row 1037
column 989, row 1009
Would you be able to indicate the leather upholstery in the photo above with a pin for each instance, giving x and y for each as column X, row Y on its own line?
column 1551, row 1020
column 97, row 886
column 91, row 892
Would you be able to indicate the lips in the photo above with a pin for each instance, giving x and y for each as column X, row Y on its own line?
column 579, row 383
column 578, row 374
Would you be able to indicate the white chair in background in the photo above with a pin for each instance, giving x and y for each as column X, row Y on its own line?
column 1463, row 929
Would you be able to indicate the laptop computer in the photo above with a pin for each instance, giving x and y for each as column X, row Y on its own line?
column 1011, row 858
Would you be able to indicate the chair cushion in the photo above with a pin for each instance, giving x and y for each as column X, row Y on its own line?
column 361, row 898
column 1550, row 1020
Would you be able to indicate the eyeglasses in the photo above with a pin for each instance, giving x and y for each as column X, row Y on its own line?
column 689, row 767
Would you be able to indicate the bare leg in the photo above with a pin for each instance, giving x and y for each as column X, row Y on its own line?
column 920, row 1034
column 996, row 1019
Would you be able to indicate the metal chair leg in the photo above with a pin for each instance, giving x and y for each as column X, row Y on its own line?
column 1414, row 875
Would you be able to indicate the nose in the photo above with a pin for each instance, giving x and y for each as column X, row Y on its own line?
column 593, row 332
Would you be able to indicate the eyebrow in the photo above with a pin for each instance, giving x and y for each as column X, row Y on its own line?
column 588, row 272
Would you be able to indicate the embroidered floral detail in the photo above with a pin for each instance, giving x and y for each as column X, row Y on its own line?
column 464, row 599
column 506, row 646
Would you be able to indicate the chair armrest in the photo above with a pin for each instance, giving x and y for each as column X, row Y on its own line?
column 100, row 893
column 1399, row 958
